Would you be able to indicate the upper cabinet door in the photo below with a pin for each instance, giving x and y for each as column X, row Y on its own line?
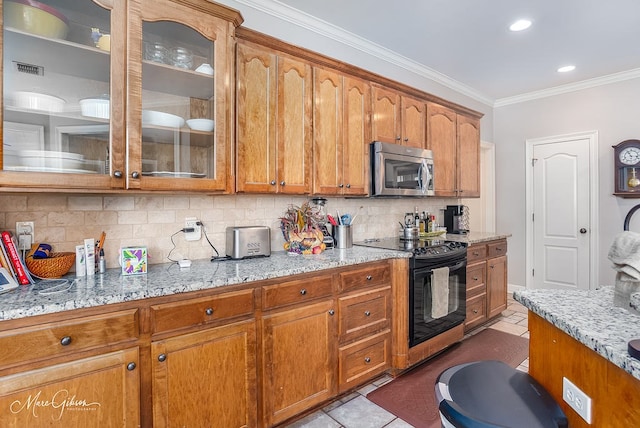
column 441, row 127
column 468, row 156
column 63, row 94
column 179, row 118
column 414, row 127
column 256, row 93
column 357, row 136
column 386, row 115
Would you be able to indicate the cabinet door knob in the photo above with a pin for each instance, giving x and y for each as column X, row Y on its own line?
column 282, row 183
column 209, row 311
column 131, row 366
column 492, row 266
column 367, row 360
column 135, row 174
column 348, row 186
column 475, row 278
column 367, row 313
column 369, row 277
column 303, row 291
column 273, row 182
column 117, row 174
column 398, row 138
column 475, row 311
column 340, row 185
column 332, row 312
column 162, row 358
column 65, row 341
column 406, row 140
column 583, row 230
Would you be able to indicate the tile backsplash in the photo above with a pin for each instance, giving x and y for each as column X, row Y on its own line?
column 155, row 221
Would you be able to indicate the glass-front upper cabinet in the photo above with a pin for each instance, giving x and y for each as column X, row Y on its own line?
column 58, row 128
column 117, row 94
column 181, row 115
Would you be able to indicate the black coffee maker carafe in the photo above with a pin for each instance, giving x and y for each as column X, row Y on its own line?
column 456, row 219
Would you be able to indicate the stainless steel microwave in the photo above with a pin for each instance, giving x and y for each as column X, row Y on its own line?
column 400, row 171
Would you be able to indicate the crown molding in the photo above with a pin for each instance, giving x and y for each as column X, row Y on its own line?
column 572, row 87
column 325, row 29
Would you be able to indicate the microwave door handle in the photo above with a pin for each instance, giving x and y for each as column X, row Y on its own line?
column 423, row 176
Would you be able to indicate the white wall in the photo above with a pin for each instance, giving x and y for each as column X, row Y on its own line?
column 613, row 111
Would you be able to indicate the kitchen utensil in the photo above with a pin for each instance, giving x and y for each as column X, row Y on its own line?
column 151, row 117
column 95, row 107
column 346, row 219
column 206, row 125
column 332, row 220
column 401, row 225
column 37, row 101
column 35, row 18
column 205, row 69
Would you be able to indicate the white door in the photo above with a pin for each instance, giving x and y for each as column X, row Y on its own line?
column 561, row 213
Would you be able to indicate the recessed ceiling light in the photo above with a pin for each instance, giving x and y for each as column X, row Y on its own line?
column 566, row 68
column 519, row 25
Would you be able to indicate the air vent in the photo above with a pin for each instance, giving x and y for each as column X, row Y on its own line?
column 36, row 70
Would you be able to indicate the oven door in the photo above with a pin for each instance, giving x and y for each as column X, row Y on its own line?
column 437, row 297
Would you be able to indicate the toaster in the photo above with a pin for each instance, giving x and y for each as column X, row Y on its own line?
column 248, row 241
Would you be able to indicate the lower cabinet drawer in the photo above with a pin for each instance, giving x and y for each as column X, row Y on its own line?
column 476, row 311
column 193, row 312
column 363, row 360
column 364, row 313
column 297, row 291
column 68, row 336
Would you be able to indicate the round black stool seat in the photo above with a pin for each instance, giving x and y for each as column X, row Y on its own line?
column 492, row 394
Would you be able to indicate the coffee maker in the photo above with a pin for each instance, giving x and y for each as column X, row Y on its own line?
column 456, row 219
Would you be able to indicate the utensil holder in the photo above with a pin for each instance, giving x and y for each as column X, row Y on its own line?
column 343, row 236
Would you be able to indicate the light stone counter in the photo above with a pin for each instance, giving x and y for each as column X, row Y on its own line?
column 602, row 320
column 476, row 237
column 166, row 279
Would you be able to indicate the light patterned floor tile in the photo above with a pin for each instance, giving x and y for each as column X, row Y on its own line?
column 398, row 423
column 316, row 420
column 361, row 413
column 509, row 328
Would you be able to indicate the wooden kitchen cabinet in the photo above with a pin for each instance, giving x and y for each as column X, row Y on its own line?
column 274, row 114
column 298, row 359
column 398, row 119
column 206, row 378
column 341, row 134
column 454, row 139
column 118, row 121
column 486, row 282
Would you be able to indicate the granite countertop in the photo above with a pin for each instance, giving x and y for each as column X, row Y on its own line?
column 602, row 320
column 70, row 292
column 476, row 237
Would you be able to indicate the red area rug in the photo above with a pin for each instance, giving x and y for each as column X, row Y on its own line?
column 411, row 396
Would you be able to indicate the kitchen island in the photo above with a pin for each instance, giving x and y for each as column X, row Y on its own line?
column 583, row 336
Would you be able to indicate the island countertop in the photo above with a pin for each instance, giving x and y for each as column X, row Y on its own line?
column 601, row 319
column 70, row 292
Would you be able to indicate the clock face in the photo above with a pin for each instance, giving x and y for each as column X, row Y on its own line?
column 630, row 156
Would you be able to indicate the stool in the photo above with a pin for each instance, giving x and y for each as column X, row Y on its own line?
column 492, row 394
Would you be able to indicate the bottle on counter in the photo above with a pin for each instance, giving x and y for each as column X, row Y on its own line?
column 416, row 218
column 423, row 219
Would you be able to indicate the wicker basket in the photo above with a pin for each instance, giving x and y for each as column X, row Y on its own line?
column 54, row 266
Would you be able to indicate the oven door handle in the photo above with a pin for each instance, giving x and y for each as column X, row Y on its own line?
column 458, row 265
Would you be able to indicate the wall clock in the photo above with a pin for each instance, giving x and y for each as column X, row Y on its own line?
column 626, row 159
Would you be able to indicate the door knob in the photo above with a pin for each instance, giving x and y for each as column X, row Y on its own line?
column 583, row 230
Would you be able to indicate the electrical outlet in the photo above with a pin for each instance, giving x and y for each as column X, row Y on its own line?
column 578, row 400
column 192, row 223
column 25, row 231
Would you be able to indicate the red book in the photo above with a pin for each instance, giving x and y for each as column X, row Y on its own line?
column 12, row 252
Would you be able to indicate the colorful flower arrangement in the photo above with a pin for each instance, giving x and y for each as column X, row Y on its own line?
column 301, row 228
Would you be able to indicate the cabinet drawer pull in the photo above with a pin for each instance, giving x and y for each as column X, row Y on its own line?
column 367, row 360
column 475, row 311
column 367, row 313
column 209, row 311
column 162, row 357
column 492, row 266
column 369, row 277
column 303, row 291
column 332, row 312
column 65, row 341
column 475, row 278
column 499, row 249
column 475, row 253
column 131, row 366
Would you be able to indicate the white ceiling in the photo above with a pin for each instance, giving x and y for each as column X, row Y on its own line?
column 468, row 41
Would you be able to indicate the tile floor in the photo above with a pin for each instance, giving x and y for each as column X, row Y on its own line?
column 355, row 411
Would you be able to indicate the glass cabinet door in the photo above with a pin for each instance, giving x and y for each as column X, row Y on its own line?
column 178, row 124
column 57, row 92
